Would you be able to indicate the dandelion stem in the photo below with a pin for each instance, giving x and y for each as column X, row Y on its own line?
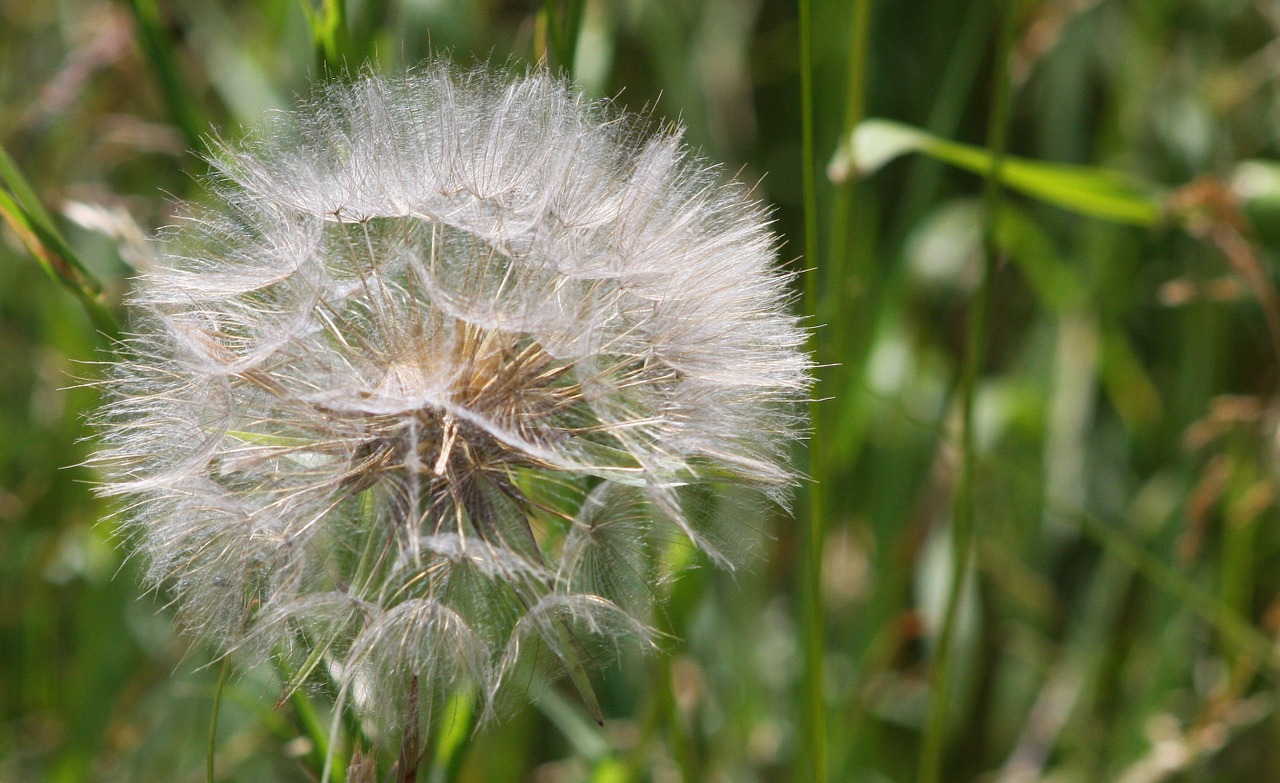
column 964, row 523
column 853, row 285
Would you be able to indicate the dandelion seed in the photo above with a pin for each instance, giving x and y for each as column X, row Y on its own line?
column 413, row 405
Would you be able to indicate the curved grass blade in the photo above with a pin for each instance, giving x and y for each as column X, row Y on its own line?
column 1097, row 192
column 33, row 224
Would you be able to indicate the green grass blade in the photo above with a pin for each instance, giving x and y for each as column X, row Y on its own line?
column 811, row 764
column 1097, row 192
column 323, row 752
column 33, row 224
column 850, row 308
column 1235, row 630
column 583, row 734
column 21, row 191
column 453, row 738
column 562, row 20
column 213, row 720
column 160, row 54
column 964, row 522
column 329, row 33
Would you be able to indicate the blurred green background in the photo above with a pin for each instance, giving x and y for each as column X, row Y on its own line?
column 1110, row 453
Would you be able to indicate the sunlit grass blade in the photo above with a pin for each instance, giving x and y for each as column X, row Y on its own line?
column 329, row 32
column 1096, row 192
column 454, row 737
column 583, row 734
column 29, row 219
column 610, row 770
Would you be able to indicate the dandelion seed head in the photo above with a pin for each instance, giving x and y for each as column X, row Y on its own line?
column 421, row 396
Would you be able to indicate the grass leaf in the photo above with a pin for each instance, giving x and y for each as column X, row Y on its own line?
column 26, row 215
column 1097, row 192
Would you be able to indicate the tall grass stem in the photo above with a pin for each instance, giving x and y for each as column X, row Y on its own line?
column 812, row 764
column 964, row 521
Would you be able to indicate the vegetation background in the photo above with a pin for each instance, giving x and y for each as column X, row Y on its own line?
column 1061, row 380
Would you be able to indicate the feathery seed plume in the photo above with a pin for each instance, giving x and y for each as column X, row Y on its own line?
column 414, row 405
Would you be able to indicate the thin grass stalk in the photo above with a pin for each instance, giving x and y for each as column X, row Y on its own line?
column 811, row 765
column 213, row 719
column 659, row 710
column 666, row 621
column 313, row 726
column 35, row 227
column 848, row 319
column 920, row 186
column 964, row 521
column 852, row 327
column 319, row 734
column 679, row 731
column 854, row 110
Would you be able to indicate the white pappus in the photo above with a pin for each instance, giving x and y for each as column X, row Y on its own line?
column 416, row 403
